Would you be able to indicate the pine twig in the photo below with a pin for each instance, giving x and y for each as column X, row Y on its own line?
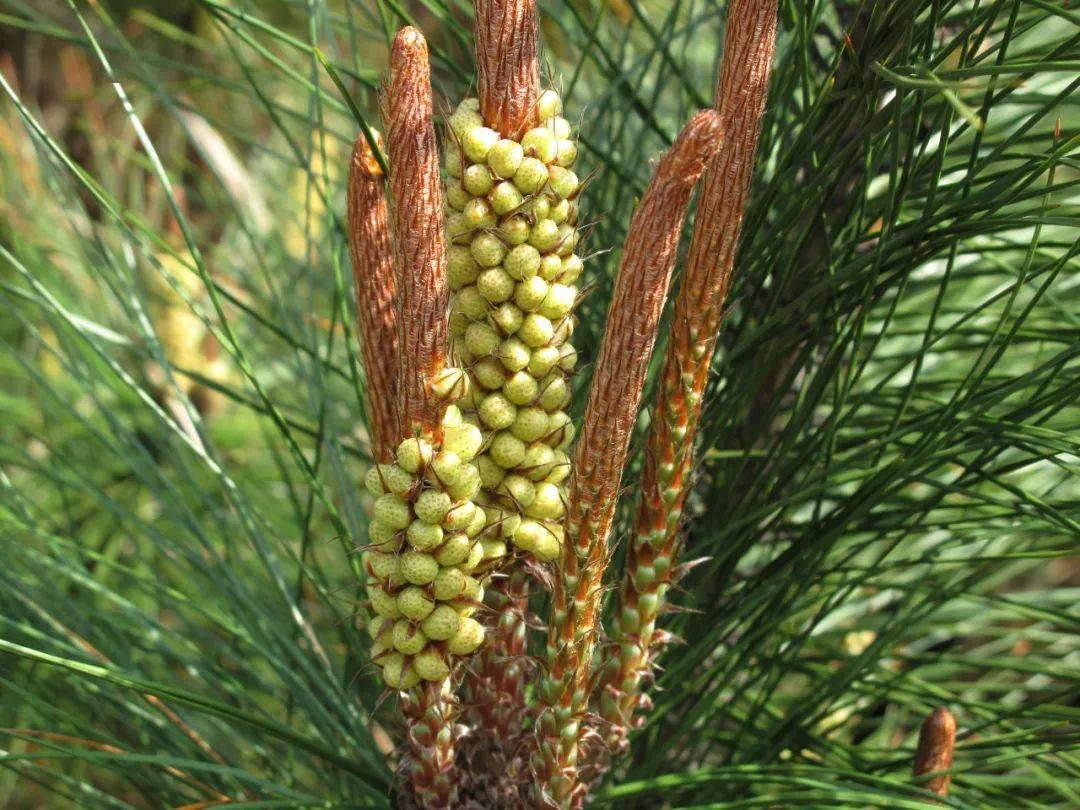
column 420, row 258
column 495, row 685
column 417, row 227
column 507, row 66
column 430, row 710
column 373, row 273
column 495, row 697
column 633, row 321
column 934, row 755
column 666, row 479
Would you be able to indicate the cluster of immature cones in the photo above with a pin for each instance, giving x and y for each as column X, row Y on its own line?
column 465, row 296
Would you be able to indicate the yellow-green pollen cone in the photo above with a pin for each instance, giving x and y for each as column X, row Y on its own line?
column 424, row 548
column 512, row 227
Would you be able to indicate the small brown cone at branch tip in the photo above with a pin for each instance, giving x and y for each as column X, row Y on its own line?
column 937, row 740
column 507, row 67
column 416, row 218
column 373, row 274
column 632, row 325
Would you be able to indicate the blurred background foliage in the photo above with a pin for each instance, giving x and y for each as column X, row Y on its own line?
column 888, row 497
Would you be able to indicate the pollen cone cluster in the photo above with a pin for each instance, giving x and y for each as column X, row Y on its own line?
column 423, row 536
column 511, row 224
column 422, row 556
column 474, row 487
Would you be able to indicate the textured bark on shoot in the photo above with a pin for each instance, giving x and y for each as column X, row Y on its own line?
column 667, row 476
column 633, row 320
column 934, row 755
column 507, row 66
column 494, row 691
column 419, row 247
column 373, row 274
column 430, row 711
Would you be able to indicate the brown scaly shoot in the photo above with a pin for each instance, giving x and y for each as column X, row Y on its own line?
column 507, row 67
column 495, row 754
column 667, row 476
column 419, row 249
column 373, row 273
column 633, row 320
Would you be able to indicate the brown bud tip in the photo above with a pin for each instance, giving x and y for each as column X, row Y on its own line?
column 507, row 66
column 408, row 41
column 417, row 231
column 699, row 140
column 937, row 739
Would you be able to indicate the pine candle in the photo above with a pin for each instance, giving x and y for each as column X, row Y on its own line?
column 423, row 556
column 423, row 546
